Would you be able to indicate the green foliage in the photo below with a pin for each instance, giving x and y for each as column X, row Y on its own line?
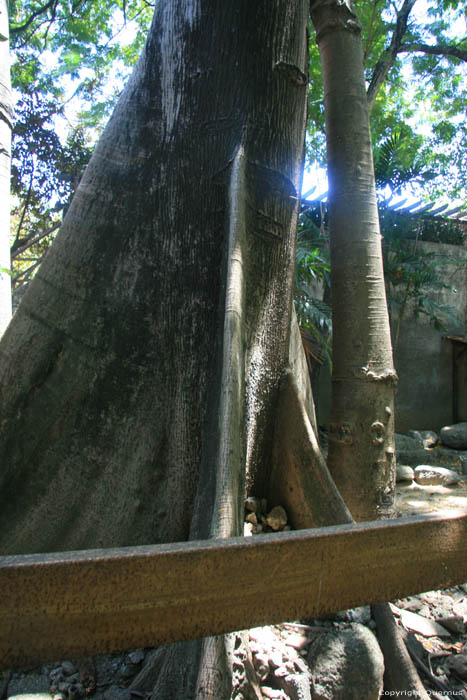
column 422, row 92
column 312, row 269
column 68, row 68
column 70, row 59
column 414, row 279
column 441, row 230
column 44, row 176
column 397, row 160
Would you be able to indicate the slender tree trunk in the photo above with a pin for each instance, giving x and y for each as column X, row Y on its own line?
column 6, row 120
column 139, row 377
column 361, row 438
column 361, row 442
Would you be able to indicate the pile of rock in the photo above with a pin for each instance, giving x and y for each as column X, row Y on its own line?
column 259, row 520
column 427, row 458
column 337, row 658
column 104, row 677
column 319, row 661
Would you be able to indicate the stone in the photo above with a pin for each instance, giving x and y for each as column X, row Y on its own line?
column 261, row 664
column 136, row 656
column 277, row 518
column 272, row 693
column 426, row 438
column 421, row 625
column 253, row 504
column 400, row 604
column 34, row 696
column 458, row 458
column 404, row 442
column 347, row 665
column 428, row 475
column 56, row 674
column 276, row 658
column 21, row 684
column 297, row 641
column 127, row 670
column 453, row 623
column 451, row 459
column 247, row 529
column 460, row 608
column 404, row 473
column 68, row 667
column 117, row 693
column 362, row 614
column 455, row 435
column 296, row 686
column 458, row 664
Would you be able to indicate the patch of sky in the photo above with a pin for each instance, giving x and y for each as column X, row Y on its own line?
column 315, row 184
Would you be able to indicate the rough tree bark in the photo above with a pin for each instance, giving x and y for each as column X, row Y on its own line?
column 140, row 374
column 361, row 441
column 6, row 121
column 146, row 381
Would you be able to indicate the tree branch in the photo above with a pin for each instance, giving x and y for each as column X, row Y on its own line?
column 438, row 50
column 40, row 11
column 388, row 56
column 25, row 208
column 23, row 244
column 26, row 272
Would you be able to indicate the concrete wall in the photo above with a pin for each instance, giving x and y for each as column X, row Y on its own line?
column 423, row 357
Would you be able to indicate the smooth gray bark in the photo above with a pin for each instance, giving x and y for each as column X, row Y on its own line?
column 361, row 441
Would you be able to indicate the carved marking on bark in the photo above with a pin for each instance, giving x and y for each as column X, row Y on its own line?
column 267, row 228
column 386, row 496
column 292, row 73
column 378, row 431
column 274, row 180
column 387, row 375
column 222, row 123
column 341, row 433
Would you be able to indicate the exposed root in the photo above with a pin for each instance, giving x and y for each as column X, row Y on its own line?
column 310, row 495
column 300, row 480
column 400, row 673
column 147, row 677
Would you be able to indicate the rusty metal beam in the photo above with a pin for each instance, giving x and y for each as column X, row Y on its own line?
column 55, row 606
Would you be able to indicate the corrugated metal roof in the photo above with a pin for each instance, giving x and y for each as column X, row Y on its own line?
column 458, row 212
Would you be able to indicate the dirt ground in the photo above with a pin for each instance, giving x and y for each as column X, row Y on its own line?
column 414, row 499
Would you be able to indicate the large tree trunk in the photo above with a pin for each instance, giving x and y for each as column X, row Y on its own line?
column 6, row 119
column 143, row 374
column 361, row 442
column 145, row 359
column 361, row 439
column 140, row 375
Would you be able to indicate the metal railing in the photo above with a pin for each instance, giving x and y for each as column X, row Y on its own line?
column 73, row 604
